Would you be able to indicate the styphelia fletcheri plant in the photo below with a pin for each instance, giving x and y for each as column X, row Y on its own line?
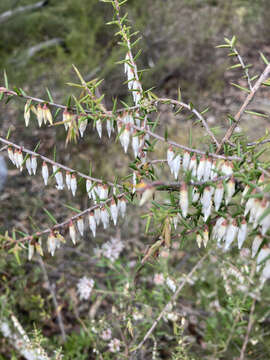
column 217, row 196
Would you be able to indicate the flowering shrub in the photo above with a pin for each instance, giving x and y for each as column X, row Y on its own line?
column 214, row 196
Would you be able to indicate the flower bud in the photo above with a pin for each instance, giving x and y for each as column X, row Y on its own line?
column 11, row 155
column 68, row 180
column 186, row 160
column 218, row 195
column 28, row 165
column 88, row 185
column 82, row 125
column 122, row 206
column 201, row 168
column 205, row 236
column 27, row 113
column 230, row 235
column 193, row 166
column 199, row 240
column 58, row 177
column 114, row 211
column 45, row 173
column 97, row 215
column 51, row 243
column 109, row 127
column 31, row 251
column 104, row 217
column 39, row 115
column 207, row 169
column 135, row 143
column 230, row 190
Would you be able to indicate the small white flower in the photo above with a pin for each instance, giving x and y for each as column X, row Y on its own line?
column 92, row 223
column 124, row 138
column 171, row 284
column 80, row 225
column 199, row 240
column 109, row 127
column 265, row 223
column 193, row 166
column 230, row 234
column 11, row 155
column 230, row 190
column 114, row 345
column 201, row 168
column 104, row 217
column 218, row 195
column 206, row 197
column 242, row 233
column 85, row 287
column 122, row 206
column 106, row 334
column 58, row 177
column 195, row 195
column 72, row 232
column 112, row 249
column 205, row 236
column 73, row 184
column 135, row 144
column 158, row 279
column 52, row 243
column 68, row 180
column 45, row 172
column 28, row 165
column 207, row 169
column 186, row 159
column 34, row 164
column 264, row 253
column 176, row 165
column 256, row 245
column 27, row 113
column 39, row 115
column 31, row 250
column 170, row 157
column 82, row 126
column 99, row 127
column 114, row 211
column 97, row 213
column 245, row 192
column 183, row 199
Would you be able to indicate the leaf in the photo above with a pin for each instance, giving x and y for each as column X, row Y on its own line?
column 264, row 58
column 6, row 79
column 240, row 87
column 51, row 217
column 256, row 113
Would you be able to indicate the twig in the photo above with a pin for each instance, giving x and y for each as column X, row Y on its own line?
column 173, row 298
column 241, row 111
column 250, row 324
column 55, row 302
column 241, row 61
column 7, row 14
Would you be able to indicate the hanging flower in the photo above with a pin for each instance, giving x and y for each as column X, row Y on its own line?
column 183, row 199
column 68, row 180
column 242, row 233
column 230, row 190
column 52, row 243
column 199, row 240
column 73, row 184
column 244, row 193
column 82, row 125
column 265, row 224
column 195, row 194
column 114, row 211
column 186, row 160
column 80, row 225
column 31, row 251
column 230, row 234
column 249, row 203
column 124, row 137
column 256, row 245
column 28, row 165
column 207, row 169
column 104, row 217
column 218, row 195
column 135, row 143
column 11, row 155
column 193, row 166
column 122, row 206
column 109, row 127
column 263, row 254
column 58, row 177
column 201, row 168
column 47, row 115
column 39, row 115
column 205, row 236
column 45, row 172
column 34, row 164
column 97, row 213
column 176, row 165
column 99, row 127
column 72, row 232
column 92, row 223
column 27, row 112
column 262, row 206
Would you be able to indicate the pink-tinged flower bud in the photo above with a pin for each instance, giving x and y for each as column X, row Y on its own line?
column 264, row 253
column 39, row 115
column 218, row 195
column 122, row 206
column 176, row 166
column 205, row 236
column 18, row 158
column 104, row 217
column 186, row 160
column 80, row 225
column 28, row 165
column 31, row 251
column 256, row 245
column 52, row 243
column 27, row 113
column 109, row 127
column 34, row 164
column 72, row 232
column 58, row 177
column 88, row 185
column 183, row 199
column 262, row 206
column 207, row 169
column 244, row 193
column 68, row 180
column 82, row 126
column 230, row 235
column 11, row 155
column 195, row 195
column 92, row 223
column 114, row 211
column 250, row 203
column 135, row 143
column 97, row 213
column 230, row 190
column 170, row 157
column 242, row 233
column 73, row 184
column 214, row 170
column 201, row 168
column 265, row 223
column 221, row 230
column 45, row 173
column 99, row 127
column 199, row 240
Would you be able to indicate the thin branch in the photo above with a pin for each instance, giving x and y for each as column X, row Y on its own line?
column 250, row 324
column 54, row 299
column 49, row 161
column 7, row 14
column 173, row 298
column 241, row 111
column 241, row 61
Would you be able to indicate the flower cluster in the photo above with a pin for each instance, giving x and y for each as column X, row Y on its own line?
column 43, row 113
column 111, row 249
column 85, row 287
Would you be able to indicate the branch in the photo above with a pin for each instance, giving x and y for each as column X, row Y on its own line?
column 6, row 15
column 241, row 111
column 250, row 324
column 173, row 298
